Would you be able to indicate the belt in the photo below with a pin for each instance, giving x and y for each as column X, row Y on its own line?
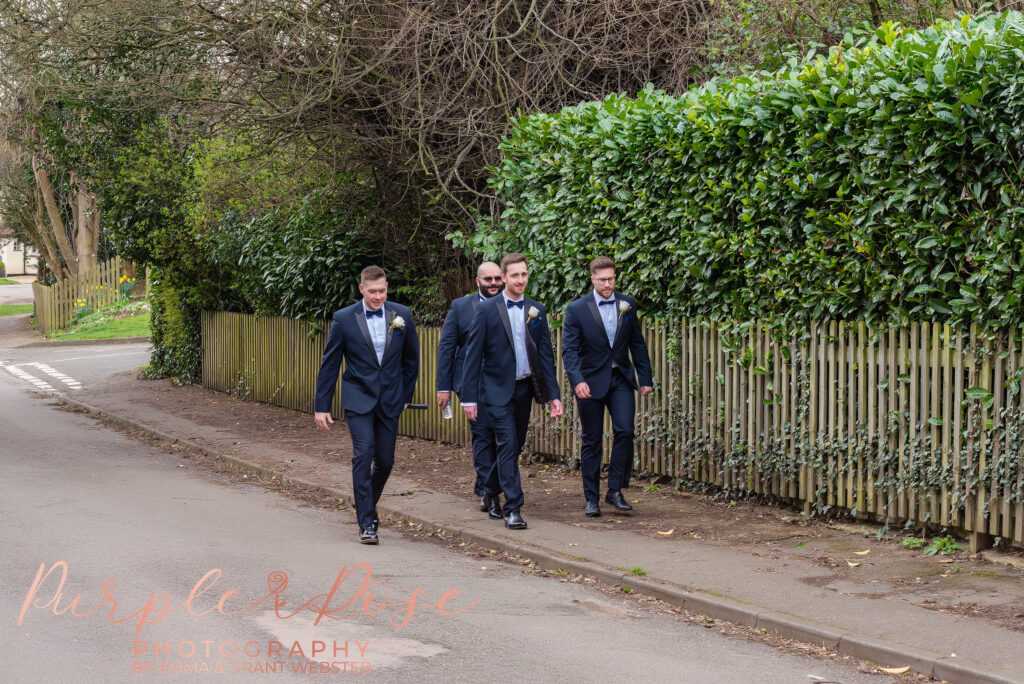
column 526, row 379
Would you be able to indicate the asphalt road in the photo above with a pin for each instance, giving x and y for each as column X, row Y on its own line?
column 67, row 368
column 136, row 529
column 16, row 294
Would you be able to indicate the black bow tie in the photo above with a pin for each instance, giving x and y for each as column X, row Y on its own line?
column 509, row 303
column 609, row 302
column 371, row 314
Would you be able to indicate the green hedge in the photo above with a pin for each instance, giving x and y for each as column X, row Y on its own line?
column 302, row 262
column 880, row 182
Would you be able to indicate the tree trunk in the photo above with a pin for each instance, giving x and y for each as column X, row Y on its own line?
column 50, row 254
column 56, row 223
column 87, row 223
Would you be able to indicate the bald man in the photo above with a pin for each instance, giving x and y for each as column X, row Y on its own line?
column 451, row 352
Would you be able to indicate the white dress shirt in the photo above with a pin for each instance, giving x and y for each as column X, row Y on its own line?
column 378, row 330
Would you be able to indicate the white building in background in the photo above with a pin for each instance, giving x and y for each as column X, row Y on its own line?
column 18, row 258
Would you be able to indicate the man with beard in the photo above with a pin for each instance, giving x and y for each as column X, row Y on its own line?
column 451, row 354
column 509, row 362
column 606, row 359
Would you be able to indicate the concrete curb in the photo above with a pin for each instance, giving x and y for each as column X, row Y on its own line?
column 787, row 626
column 76, row 343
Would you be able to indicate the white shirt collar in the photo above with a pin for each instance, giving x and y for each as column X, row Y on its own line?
column 509, row 299
column 600, row 299
column 366, row 308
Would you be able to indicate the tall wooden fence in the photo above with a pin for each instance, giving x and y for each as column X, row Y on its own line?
column 56, row 304
column 921, row 423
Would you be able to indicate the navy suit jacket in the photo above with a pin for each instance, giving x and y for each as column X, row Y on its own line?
column 490, row 369
column 451, row 350
column 588, row 357
column 365, row 383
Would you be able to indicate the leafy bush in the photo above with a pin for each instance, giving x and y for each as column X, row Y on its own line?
column 879, row 183
column 176, row 335
column 299, row 262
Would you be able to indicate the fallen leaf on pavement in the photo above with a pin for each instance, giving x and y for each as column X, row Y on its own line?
column 861, row 553
column 852, row 564
column 667, row 533
column 895, row 670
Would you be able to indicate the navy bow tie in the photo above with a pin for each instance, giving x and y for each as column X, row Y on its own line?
column 509, row 303
column 371, row 314
column 609, row 302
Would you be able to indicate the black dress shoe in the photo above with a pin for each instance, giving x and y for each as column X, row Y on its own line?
column 368, row 535
column 592, row 510
column 615, row 498
column 494, row 507
column 484, row 503
column 514, row 521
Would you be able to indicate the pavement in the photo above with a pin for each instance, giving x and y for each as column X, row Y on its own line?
column 722, row 583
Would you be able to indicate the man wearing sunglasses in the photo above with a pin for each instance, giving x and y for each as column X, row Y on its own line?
column 451, row 354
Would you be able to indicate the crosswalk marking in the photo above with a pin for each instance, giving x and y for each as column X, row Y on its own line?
column 16, row 371
column 67, row 380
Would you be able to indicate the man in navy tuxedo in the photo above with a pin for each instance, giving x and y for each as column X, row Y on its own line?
column 451, row 353
column 509, row 361
column 382, row 356
column 600, row 334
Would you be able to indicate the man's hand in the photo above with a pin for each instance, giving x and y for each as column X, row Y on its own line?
column 556, row 405
column 470, row 412
column 645, row 390
column 323, row 420
column 582, row 390
column 442, row 398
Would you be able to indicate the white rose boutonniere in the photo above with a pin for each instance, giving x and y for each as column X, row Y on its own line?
column 397, row 322
column 624, row 308
column 532, row 313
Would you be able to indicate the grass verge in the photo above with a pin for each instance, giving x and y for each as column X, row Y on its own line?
column 131, row 326
column 15, row 309
column 8, row 281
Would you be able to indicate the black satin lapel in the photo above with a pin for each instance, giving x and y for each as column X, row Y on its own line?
column 361, row 322
column 387, row 335
column 533, row 357
column 592, row 305
column 503, row 312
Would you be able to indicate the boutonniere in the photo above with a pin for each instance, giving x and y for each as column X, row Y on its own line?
column 397, row 322
column 624, row 308
column 532, row 313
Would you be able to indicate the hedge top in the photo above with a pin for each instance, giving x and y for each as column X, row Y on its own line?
column 879, row 183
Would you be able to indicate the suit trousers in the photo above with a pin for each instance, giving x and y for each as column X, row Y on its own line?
column 509, row 423
column 483, row 448
column 373, row 456
column 621, row 404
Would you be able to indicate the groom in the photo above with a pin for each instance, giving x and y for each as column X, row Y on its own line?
column 509, row 361
column 378, row 342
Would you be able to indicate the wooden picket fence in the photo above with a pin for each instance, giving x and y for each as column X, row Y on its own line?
column 922, row 423
column 56, row 304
